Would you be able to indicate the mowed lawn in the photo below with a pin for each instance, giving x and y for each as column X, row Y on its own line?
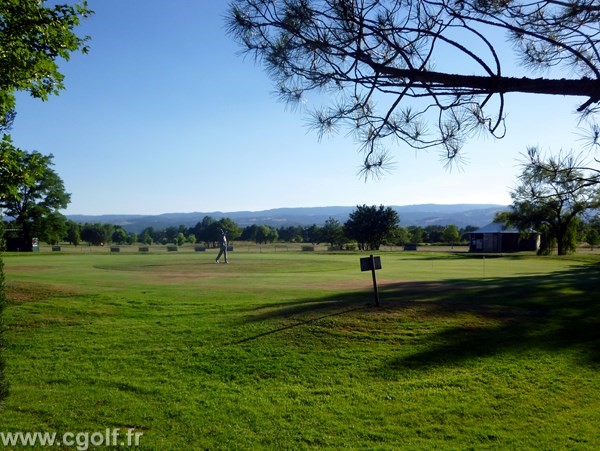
column 288, row 351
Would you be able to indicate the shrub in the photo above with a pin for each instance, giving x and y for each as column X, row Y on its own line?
column 3, row 382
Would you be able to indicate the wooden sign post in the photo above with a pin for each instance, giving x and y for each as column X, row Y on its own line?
column 371, row 263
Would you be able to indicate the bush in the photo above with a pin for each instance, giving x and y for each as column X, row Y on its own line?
column 3, row 382
column 351, row 246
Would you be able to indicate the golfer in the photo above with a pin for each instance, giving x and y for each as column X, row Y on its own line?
column 223, row 250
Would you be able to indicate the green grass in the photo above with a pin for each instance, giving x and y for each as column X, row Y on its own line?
column 287, row 350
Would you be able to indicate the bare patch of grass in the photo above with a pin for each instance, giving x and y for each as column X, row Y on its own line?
column 18, row 292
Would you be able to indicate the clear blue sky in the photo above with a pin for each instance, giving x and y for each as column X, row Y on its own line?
column 164, row 116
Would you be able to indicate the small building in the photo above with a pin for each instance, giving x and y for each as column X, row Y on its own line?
column 20, row 244
column 495, row 238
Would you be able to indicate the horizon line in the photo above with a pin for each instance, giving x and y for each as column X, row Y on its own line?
column 274, row 208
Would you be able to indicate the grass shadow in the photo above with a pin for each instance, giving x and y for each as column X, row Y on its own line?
column 555, row 311
column 302, row 312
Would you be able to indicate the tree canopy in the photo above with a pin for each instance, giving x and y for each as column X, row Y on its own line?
column 33, row 37
column 333, row 232
column 95, row 234
column 428, row 73
column 451, row 234
column 551, row 196
column 35, row 194
column 371, row 225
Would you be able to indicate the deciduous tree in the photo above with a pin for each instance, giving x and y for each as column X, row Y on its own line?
column 371, row 225
column 401, row 236
column 333, row 232
column 33, row 36
column 416, row 234
column 94, row 234
column 51, row 228
column 34, row 201
column 146, row 236
column 233, row 230
column 290, row 234
column 592, row 237
column 450, row 234
column 12, row 175
column 170, row 235
column 266, row 234
column 249, row 233
column 119, row 236
column 206, row 230
column 433, row 233
column 551, row 196
column 311, row 234
column 73, row 233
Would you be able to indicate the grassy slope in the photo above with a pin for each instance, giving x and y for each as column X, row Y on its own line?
column 286, row 350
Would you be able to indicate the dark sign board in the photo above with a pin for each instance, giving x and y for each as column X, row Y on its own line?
column 365, row 263
column 371, row 263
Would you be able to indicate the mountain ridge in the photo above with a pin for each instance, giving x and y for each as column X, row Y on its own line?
column 460, row 215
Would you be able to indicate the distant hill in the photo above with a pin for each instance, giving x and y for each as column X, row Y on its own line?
column 422, row 215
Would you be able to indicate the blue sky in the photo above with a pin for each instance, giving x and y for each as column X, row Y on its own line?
column 164, row 116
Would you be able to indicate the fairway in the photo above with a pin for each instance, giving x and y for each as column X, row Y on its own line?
column 286, row 350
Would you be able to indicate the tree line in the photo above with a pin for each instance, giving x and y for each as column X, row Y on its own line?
column 367, row 228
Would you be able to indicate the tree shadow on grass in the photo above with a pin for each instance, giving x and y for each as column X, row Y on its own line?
column 473, row 318
column 554, row 311
column 306, row 311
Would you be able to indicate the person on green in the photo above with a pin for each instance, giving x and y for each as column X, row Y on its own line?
column 223, row 250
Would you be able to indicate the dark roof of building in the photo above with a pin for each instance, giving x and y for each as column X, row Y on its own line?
column 496, row 227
